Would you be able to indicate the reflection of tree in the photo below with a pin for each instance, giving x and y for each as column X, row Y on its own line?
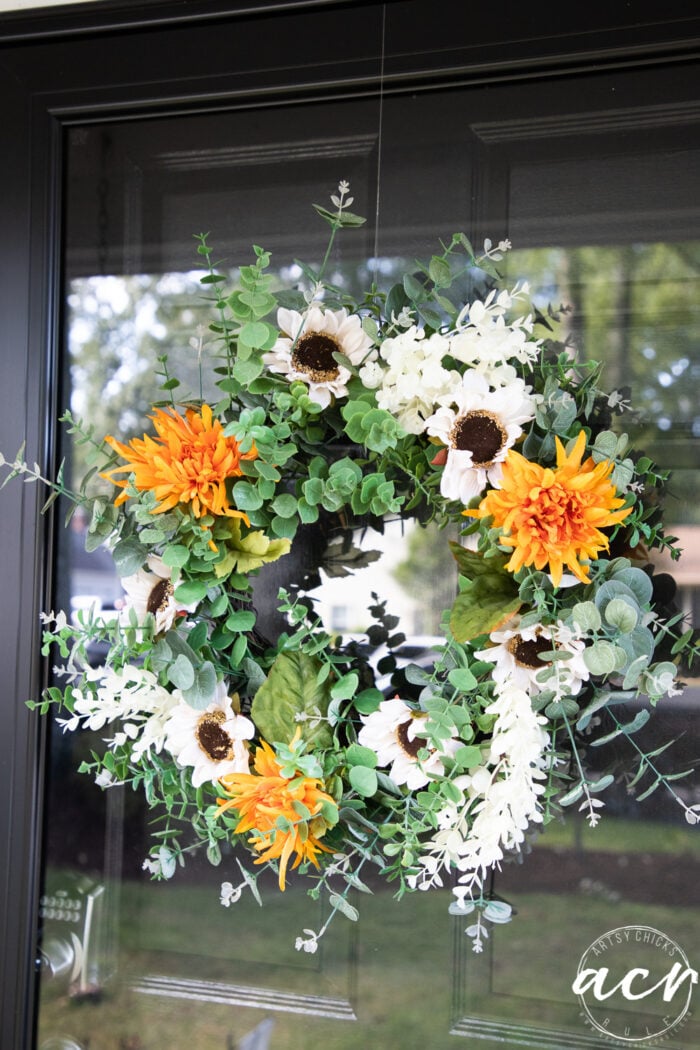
column 635, row 307
column 429, row 573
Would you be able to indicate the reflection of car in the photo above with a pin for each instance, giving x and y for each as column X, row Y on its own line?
column 419, row 649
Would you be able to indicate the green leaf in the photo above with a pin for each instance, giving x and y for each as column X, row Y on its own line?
column 357, row 755
column 485, row 603
column 619, row 613
column 191, row 591
column 291, row 688
column 345, row 687
column 468, row 756
column 176, row 555
column 363, row 780
column 340, row 904
column 128, row 556
column 203, row 690
column 285, row 505
column 181, row 673
column 572, row 795
column 241, row 620
column 462, row 679
column 255, row 333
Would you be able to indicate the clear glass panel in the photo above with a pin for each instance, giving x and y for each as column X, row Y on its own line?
column 131, row 964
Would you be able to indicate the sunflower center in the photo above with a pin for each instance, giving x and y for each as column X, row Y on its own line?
column 527, row 653
column 313, row 355
column 410, row 746
column 159, row 596
column 212, row 738
column 481, row 433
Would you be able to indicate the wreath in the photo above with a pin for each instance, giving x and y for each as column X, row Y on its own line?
column 332, row 413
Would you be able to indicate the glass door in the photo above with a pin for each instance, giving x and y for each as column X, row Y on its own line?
column 595, row 186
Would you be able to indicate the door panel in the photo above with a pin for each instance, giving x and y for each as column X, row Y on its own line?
column 576, row 177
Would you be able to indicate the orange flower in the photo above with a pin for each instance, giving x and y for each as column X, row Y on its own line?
column 188, row 462
column 554, row 515
column 263, row 797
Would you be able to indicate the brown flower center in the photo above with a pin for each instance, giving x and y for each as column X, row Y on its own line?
column 159, row 596
column 313, row 355
column 410, row 746
column 213, row 740
column 481, row 433
column 527, row 653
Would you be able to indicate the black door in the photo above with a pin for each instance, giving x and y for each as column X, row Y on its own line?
column 125, row 136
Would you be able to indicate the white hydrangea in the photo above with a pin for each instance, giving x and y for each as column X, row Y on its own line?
column 413, row 380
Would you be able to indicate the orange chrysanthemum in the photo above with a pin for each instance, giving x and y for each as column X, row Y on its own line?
column 263, row 797
column 188, row 462
column 553, row 516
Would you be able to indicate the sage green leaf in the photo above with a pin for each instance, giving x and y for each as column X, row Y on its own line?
column 191, row 591
column 129, row 556
column 339, row 903
column 586, row 616
column 620, row 613
column 290, row 689
column 203, row 690
column 357, row 755
column 363, row 780
column 181, row 673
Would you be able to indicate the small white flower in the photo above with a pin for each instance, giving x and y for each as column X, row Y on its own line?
column 105, row 779
column 152, row 864
column 304, row 350
column 308, row 943
column 212, row 741
column 393, row 733
column 230, row 893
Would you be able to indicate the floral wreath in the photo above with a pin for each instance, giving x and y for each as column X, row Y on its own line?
column 338, row 413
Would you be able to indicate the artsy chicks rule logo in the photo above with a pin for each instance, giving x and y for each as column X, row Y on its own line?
column 635, row 986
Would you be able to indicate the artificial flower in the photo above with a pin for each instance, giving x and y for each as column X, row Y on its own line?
column 484, row 340
column 515, row 652
column 500, row 798
column 553, row 516
column 392, row 731
column 188, row 463
column 415, row 380
column 130, row 695
column 151, row 591
column 304, row 351
column 212, row 741
column 478, row 433
column 271, row 805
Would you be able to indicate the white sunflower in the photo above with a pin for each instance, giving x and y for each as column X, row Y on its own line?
column 151, row 591
column 392, row 733
column 478, row 433
column 213, row 741
column 515, row 654
column 304, row 350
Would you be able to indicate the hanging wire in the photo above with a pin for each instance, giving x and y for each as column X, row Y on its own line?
column 379, row 142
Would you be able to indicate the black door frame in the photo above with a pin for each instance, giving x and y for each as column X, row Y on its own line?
column 120, row 60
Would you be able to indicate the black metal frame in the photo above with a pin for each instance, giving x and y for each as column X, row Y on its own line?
column 125, row 59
